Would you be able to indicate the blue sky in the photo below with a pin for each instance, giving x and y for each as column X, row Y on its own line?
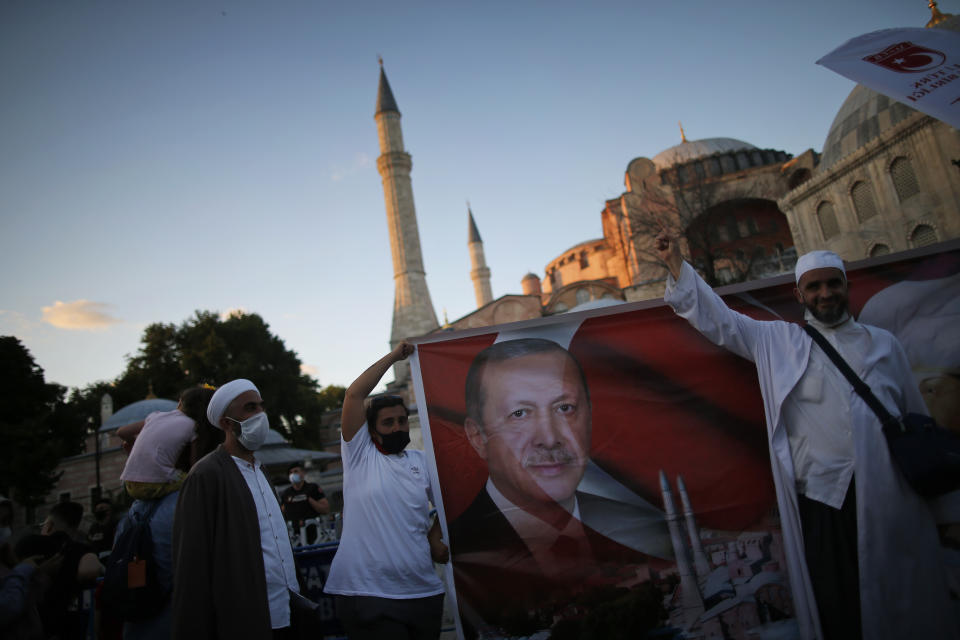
column 164, row 157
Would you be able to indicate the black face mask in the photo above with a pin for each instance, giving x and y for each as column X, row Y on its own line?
column 395, row 442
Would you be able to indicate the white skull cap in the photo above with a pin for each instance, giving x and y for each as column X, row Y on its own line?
column 223, row 396
column 818, row 260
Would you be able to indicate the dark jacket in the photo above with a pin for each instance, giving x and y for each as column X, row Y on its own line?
column 219, row 586
column 498, row 580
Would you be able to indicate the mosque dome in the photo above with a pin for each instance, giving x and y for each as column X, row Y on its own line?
column 137, row 411
column 865, row 114
column 695, row 149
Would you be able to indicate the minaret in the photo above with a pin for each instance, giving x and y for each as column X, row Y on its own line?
column 413, row 313
column 480, row 274
column 699, row 555
column 691, row 603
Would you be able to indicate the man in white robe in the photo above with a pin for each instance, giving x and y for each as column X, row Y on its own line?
column 823, row 436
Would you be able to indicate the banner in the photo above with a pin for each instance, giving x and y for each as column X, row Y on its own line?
column 918, row 67
column 628, row 491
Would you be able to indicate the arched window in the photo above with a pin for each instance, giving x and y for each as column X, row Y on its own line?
column 923, row 235
column 879, row 249
column 828, row 220
column 863, row 201
column 904, row 179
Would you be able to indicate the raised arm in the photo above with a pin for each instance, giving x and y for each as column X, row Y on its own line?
column 669, row 250
column 352, row 416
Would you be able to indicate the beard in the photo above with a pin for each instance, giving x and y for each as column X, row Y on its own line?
column 830, row 315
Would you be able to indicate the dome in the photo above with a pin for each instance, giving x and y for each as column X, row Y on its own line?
column 696, row 149
column 137, row 411
column 865, row 114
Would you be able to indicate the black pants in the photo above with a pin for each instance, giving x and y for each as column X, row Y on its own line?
column 369, row 618
column 830, row 546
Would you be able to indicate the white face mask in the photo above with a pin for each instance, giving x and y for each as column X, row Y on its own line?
column 295, row 478
column 253, row 431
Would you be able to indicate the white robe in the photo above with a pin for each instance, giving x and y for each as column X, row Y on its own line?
column 903, row 591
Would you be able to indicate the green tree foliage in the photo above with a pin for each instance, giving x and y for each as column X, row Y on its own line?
column 37, row 426
column 331, row 397
column 209, row 349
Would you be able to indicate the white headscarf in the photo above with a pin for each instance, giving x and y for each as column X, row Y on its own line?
column 223, row 396
column 818, row 260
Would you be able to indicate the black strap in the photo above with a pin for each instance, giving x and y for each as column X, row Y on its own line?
column 861, row 387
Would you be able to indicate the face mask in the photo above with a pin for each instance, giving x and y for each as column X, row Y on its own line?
column 253, row 431
column 102, row 515
column 395, row 442
column 295, row 478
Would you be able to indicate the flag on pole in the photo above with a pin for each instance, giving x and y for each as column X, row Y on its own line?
column 918, row 67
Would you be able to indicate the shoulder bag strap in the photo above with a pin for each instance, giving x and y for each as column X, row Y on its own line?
column 861, row 387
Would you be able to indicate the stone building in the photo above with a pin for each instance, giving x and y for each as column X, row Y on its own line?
column 888, row 180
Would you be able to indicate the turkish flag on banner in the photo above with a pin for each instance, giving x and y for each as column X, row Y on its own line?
column 918, row 67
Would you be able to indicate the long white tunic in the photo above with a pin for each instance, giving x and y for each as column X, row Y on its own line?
column 903, row 592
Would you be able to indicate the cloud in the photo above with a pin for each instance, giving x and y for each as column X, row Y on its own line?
column 231, row 313
column 361, row 161
column 309, row 369
column 80, row 315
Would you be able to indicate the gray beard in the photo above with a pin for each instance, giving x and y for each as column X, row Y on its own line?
column 827, row 320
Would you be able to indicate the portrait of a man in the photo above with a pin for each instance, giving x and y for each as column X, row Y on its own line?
column 530, row 535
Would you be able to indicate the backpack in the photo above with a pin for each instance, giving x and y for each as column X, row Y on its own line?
column 131, row 590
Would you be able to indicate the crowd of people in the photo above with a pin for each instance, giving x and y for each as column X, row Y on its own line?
column 222, row 551
column 221, row 544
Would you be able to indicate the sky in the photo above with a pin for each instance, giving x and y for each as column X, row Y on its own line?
column 163, row 157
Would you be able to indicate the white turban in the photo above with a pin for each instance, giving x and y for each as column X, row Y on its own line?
column 818, row 260
column 223, row 396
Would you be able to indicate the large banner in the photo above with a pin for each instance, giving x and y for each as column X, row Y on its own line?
column 607, row 473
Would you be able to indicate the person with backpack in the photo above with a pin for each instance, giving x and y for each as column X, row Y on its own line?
column 139, row 574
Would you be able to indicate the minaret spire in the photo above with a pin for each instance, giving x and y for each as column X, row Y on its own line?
column 691, row 602
column 700, row 562
column 480, row 273
column 683, row 136
column 413, row 313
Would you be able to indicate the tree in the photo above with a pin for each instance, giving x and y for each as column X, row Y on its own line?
column 38, row 427
column 725, row 225
column 213, row 350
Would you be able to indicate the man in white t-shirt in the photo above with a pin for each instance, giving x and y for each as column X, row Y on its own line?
column 233, row 563
column 383, row 575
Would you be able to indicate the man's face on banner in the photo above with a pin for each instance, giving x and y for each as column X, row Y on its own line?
column 535, row 434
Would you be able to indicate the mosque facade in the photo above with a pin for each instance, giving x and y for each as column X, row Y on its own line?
column 887, row 180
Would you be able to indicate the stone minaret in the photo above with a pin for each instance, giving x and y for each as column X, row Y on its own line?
column 480, row 274
column 691, row 603
column 413, row 313
column 699, row 555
